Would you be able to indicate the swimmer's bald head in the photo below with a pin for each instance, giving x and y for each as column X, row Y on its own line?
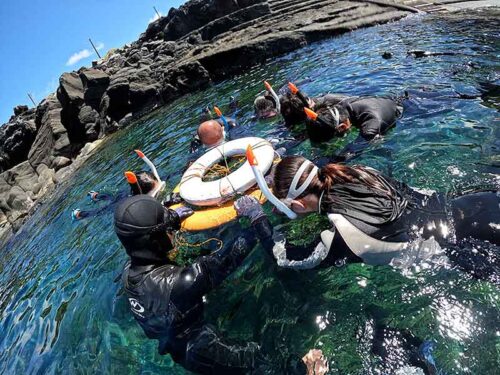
column 210, row 133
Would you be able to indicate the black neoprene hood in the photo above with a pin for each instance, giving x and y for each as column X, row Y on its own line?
column 141, row 226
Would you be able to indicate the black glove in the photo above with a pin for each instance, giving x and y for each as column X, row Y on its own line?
column 171, row 199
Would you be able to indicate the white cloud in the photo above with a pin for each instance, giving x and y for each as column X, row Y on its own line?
column 83, row 54
column 155, row 17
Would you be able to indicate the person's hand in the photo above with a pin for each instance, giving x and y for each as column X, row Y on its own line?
column 172, row 199
column 183, row 212
column 249, row 207
column 281, row 152
column 316, row 362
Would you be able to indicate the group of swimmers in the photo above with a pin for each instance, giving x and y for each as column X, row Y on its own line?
column 374, row 219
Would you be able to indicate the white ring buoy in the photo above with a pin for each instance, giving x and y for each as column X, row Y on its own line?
column 199, row 193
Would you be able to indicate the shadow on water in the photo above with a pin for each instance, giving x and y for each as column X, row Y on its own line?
column 62, row 308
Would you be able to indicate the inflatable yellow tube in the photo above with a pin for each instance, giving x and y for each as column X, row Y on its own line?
column 213, row 217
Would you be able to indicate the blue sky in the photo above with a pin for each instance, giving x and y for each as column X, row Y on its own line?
column 41, row 39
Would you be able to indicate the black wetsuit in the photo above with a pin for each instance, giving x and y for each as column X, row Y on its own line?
column 167, row 301
column 373, row 116
column 419, row 217
column 113, row 199
column 328, row 100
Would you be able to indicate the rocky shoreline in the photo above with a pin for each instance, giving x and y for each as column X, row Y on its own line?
column 197, row 44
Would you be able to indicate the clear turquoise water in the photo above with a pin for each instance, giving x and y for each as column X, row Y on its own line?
column 62, row 308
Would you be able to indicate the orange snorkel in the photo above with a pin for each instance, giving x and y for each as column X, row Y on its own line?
column 134, row 184
column 295, row 91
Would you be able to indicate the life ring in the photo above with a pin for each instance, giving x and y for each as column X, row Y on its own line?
column 213, row 217
column 197, row 192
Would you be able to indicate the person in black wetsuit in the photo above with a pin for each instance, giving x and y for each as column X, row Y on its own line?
column 167, row 300
column 373, row 116
column 378, row 220
column 146, row 181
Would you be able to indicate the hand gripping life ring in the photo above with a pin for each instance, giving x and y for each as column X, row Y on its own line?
column 197, row 192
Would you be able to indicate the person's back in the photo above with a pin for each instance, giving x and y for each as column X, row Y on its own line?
column 164, row 305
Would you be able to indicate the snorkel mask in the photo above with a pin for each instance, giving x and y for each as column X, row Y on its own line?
column 152, row 167
column 313, row 116
column 293, row 192
column 295, row 91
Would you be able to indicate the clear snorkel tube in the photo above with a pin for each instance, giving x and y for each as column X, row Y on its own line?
column 152, row 167
column 274, row 95
column 252, row 160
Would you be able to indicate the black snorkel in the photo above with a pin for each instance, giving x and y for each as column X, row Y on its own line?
column 295, row 91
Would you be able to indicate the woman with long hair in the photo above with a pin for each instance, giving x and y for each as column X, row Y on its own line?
column 375, row 219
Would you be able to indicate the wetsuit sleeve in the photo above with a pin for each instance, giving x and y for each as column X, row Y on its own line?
column 104, row 197
column 328, row 100
column 210, row 271
column 287, row 255
column 370, row 125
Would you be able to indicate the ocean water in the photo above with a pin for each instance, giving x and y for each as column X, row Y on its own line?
column 62, row 308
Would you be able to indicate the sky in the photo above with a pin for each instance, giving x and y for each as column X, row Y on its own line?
column 41, row 39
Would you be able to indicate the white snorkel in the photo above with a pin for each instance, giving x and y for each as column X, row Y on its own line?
column 252, row 160
column 152, row 167
column 293, row 192
column 274, row 95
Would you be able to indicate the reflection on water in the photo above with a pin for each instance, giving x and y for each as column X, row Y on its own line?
column 62, row 308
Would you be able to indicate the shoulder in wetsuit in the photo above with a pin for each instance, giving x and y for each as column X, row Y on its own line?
column 373, row 116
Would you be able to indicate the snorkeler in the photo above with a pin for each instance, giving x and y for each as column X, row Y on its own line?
column 143, row 182
column 168, row 300
column 375, row 219
column 373, row 116
column 291, row 104
column 212, row 132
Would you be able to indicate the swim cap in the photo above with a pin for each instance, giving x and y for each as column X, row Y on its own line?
column 141, row 224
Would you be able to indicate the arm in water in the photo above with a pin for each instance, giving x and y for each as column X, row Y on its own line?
column 210, row 271
column 287, row 255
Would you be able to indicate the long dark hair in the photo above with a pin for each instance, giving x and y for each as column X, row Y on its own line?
column 329, row 175
column 342, row 185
